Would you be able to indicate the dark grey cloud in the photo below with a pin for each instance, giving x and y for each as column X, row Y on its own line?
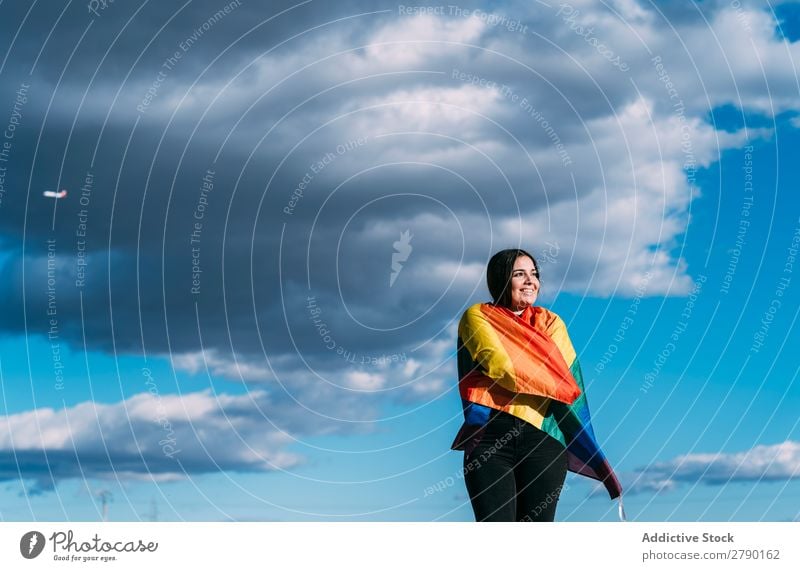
column 369, row 114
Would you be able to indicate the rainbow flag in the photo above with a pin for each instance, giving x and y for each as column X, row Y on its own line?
column 526, row 366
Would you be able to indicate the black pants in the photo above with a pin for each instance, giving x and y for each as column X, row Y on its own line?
column 516, row 472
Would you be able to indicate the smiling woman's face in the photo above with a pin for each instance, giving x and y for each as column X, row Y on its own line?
column 524, row 283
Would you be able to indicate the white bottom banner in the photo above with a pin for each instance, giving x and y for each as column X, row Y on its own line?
column 418, row 546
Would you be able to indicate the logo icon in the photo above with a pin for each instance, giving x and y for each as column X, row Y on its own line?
column 402, row 249
column 31, row 544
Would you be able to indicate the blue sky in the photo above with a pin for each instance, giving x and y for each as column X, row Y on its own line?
column 231, row 404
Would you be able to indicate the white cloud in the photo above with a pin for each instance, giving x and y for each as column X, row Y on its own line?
column 210, row 360
column 610, row 233
column 342, row 387
column 776, row 462
column 362, row 380
column 402, row 43
column 145, row 437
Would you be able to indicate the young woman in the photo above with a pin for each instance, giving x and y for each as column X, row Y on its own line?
column 526, row 420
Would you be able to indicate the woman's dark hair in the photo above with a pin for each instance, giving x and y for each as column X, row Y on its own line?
column 498, row 274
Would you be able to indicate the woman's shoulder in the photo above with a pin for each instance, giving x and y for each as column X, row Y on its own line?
column 477, row 307
column 547, row 316
column 554, row 326
column 473, row 311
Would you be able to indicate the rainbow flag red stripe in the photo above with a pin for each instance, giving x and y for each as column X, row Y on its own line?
column 526, row 366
